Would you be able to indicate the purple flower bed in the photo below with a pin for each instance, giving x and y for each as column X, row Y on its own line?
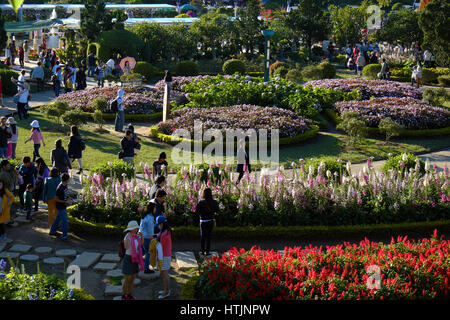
column 409, row 113
column 137, row 100
column 369, row 88
column 242, row 117
column 178, row 83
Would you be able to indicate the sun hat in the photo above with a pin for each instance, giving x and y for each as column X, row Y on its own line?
column 35, row 124
column 160, row 219
column 132, row 225
column 11, row 121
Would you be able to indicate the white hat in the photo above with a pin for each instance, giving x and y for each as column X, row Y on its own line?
column 132, row 225
column 11, row 121
column 35, row 124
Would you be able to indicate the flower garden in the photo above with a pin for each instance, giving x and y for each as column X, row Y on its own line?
column 309, row 197
column 409, row 270
column 137, row 100
column 407, row 112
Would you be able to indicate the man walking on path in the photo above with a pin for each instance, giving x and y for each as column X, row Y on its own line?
column 38, row 74
column 62, row 201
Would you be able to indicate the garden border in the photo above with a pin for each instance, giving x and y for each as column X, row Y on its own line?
column 308, row 135
column 405, row 133
column 276, row 232
column 129, row 116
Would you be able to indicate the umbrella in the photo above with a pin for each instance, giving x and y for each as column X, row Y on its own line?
column 188, row 7
column 131, row 61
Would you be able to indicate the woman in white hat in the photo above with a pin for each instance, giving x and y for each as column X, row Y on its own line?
column 37, row 137
column 12, row 142
column 132, row 261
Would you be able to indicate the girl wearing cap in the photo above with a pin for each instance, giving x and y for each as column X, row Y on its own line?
column 37, row 137
column 165, row 238
column 132, row 261
column 12, row 142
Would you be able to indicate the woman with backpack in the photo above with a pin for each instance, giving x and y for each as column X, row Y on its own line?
column 207, row 209
column 75, row 147
column 59, row 157
column 37, row 137
column 132, row 261
column 43, row 172
column 147, row 228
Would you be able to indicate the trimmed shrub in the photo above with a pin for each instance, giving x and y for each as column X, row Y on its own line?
column 75, row 118
column 371, row 71
column 124, row 41
column 281, row 72
column 312, row 72
column 404, row 162
column 328, row 70
column 116, row 168
column 444, row 80
column 131, row 77
column 98, row 118
column 294, row 75
column 100, row 104
column 435, row 97
column 186, row 68
column 9, row 88
column 232, row 66
column 56, row 110
column 145, row 69
column 353, row 126
column 429, row 76
column 390, row 128
column 277, row 64
column 341, row 59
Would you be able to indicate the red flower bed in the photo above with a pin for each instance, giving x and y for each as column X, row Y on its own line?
column 408, row 270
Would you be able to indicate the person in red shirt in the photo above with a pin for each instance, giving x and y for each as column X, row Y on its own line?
column 165, row 238
column 21, row 57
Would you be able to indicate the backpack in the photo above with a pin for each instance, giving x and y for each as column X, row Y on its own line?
column 114, row 106
column 121, row 249
column 82, row 145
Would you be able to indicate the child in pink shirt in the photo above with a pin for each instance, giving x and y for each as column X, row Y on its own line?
column 165, row 238
column 37, row 137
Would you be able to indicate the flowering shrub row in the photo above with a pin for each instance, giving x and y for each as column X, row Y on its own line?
column 244, row 117
column 221, row 91
column 407, row 269
column 369, row 88
column 407, row 112
column 15, row 285
column 137, row 100
column 301, row 197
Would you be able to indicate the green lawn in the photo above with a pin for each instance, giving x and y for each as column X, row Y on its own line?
column 100, row 147
column 103, row 147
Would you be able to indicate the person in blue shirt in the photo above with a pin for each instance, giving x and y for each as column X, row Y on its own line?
column 147, row 228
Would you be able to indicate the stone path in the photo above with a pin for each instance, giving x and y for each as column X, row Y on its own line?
column 107, row 263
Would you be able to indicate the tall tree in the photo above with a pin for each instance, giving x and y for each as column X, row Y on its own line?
column 402, row 25
column 310, row 21
column 94, row 20
column 249, row 26
column 347, row 23
column 434, row 21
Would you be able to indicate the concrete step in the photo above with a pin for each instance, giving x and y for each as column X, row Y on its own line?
column 113, row 290
column 105, row 266
column 23, row 248
column 86, row 259
column 54, row 260
column 186, row 260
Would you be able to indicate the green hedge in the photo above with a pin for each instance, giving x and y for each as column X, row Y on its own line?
column 406, row 133
column 155, row 133
column 130, row 116
column 9, row 88
column 80, row 227
column 189, row 290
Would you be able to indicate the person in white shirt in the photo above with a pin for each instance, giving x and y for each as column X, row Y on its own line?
column 427, row 58
column 360, row 63
column 21, row 79
column 8, row 55
column 55, row 67
column 111, row 65
column 120, row 115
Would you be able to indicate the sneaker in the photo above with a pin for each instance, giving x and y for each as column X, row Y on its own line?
column 149, row 271
column 161, row 296
column 52, row 234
